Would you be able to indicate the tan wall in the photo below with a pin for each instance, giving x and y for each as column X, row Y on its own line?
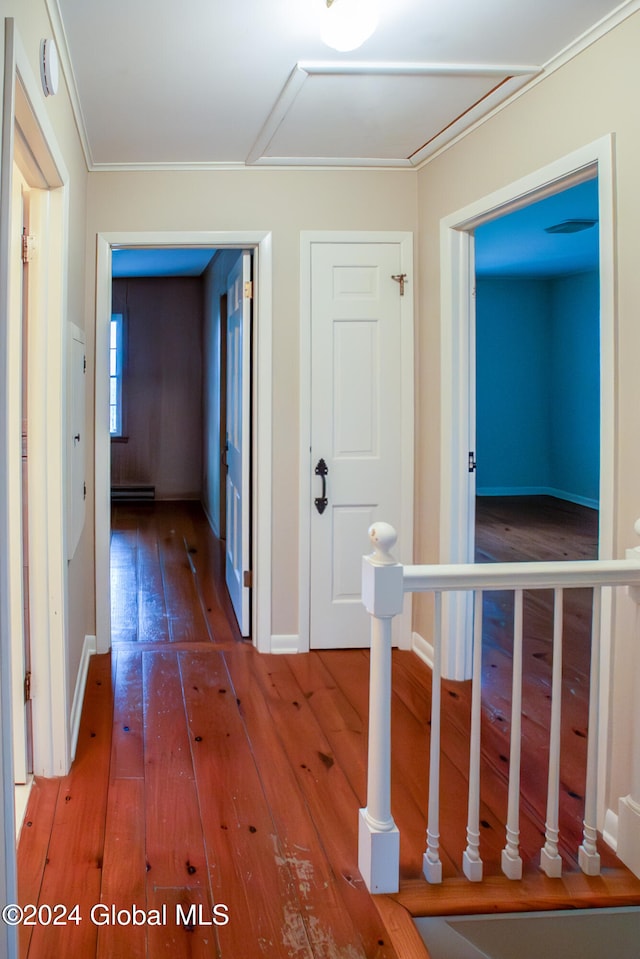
column 592, row 95
column 284, row 203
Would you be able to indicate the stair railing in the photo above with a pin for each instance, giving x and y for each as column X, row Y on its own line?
column 384, row 583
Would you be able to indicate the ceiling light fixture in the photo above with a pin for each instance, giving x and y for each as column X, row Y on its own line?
column 348, row 23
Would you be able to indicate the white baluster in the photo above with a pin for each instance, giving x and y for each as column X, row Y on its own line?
column 550, row 859
column 378, row 836
column 511, row 859
column 431, row 864
column 588, row 856
column 629, row 806
column 471, row 861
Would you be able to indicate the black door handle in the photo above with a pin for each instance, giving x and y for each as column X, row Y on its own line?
column 321, row 501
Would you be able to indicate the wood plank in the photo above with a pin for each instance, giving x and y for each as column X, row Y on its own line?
column 174, row 842
column 153, row 625
column 73, row 873
column 124, row 870
column 328, row 794
column 33, row 847
column 331, row 927
column 249, row 870
column 127, row 761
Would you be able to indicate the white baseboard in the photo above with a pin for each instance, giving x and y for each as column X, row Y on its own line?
column 285, row 644
column 22, row 792
column 610, row 829
column 88, row 649
column 423, row 649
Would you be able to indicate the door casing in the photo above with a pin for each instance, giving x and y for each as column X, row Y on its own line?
column 260, row 243
column 457, row 283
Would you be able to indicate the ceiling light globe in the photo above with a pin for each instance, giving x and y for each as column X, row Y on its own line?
column 348, row 23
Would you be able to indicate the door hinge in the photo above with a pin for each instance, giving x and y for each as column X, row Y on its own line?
column 247, row 579
column 248, row 290
column 84, row 490
column 28, row 247
column 472, row 462
column 27, row 686
column 84, row 364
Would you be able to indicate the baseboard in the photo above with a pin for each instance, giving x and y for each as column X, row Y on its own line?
column 610, row 829
column 285, row 644
column 538, row 491
column 423, row 649
column 22, row 793
column 88, row 649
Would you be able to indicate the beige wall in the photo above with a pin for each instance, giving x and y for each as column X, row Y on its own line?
column 284, row 203
column 32, row 24
column 592, row 95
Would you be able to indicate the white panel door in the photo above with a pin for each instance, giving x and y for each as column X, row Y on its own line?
column 356, row 426
column 239, row 438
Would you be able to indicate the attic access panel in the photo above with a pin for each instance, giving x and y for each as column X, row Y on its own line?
column 393, row 113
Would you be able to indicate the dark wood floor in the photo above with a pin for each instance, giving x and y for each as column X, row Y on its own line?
column 207, row 775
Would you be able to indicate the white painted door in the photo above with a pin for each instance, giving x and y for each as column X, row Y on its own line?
column 18, row 520
column 238, row 542
column 356, row 425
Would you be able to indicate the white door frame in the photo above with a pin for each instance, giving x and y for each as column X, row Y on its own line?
column 260, row 242
column 457, row 310
column 404, row 549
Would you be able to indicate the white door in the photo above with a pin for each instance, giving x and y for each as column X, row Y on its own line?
column 357, row 428
column 19, row 530
column 239, row 298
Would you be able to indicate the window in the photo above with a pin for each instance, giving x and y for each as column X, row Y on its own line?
column 115, row 372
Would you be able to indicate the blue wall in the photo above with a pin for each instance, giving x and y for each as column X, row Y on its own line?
column 538, row 396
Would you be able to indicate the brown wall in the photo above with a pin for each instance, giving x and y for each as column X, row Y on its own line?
column 162, row 386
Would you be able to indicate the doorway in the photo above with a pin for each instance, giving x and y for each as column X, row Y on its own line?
column 260, row 243
column 458, row 369
column 537, row 382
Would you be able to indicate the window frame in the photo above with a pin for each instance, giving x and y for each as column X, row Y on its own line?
column 119, row 318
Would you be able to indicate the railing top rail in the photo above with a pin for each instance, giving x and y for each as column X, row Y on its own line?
column 539, row 575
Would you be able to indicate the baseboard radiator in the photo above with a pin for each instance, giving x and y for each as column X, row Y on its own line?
column 133, row 493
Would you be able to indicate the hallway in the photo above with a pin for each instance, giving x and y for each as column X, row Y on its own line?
column 208, row 775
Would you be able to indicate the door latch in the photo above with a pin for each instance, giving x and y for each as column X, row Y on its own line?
column 472, row 462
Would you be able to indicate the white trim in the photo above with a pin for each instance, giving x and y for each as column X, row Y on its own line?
column 405, row 533
column 88, row 650
column 260, row 241
column 423, row 649
column 610, row 829
column 285, row 643
column 21, row 793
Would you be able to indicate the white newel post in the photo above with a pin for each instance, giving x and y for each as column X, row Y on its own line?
column 382, row 595
column 629, row 806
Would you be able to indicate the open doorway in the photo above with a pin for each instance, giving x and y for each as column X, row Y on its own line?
column 180, row 392
column 537, row 402
column 258, row 461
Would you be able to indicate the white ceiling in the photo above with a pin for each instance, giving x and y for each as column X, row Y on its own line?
column 234, row 82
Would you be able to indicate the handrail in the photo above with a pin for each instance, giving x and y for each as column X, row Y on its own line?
column 384, row 583
column 467, row 576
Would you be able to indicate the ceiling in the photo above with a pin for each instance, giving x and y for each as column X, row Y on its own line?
column 518, row 245
column 210, row 83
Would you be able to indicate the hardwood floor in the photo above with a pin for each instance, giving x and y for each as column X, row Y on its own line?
column 208, row 775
